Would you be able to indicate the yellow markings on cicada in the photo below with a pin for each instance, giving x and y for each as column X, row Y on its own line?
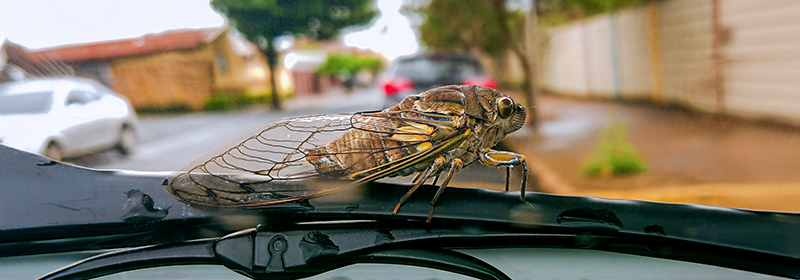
column 498, row 158
column 412, row 159
column 424, row 146
column 413, row 132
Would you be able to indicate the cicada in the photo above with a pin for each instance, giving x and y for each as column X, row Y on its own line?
column 440, row 130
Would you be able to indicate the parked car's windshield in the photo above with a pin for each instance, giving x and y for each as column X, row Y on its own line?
column 431, row 68
column 25, row 103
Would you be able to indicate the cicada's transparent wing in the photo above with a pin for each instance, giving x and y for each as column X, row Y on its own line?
column 270, row 165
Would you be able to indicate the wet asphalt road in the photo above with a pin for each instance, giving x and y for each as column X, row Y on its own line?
column 171, row 142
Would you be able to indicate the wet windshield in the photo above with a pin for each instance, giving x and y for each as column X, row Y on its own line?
column 262, row 110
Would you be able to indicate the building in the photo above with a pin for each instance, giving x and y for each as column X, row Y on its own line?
column 174, row 68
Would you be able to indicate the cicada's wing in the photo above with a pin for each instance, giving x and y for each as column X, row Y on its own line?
column 269, row 165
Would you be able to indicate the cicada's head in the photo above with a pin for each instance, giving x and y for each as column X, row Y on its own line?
column 505, row 113
column 512, row 114
column 481, row 103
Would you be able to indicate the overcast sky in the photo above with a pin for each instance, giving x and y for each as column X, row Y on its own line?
column 38, row 24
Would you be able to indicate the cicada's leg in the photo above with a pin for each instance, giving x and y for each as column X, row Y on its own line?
column 455, row 166
column 508, row 159
column 508, row 176
column 437, row 163
column 524, row 180
column 419, row 175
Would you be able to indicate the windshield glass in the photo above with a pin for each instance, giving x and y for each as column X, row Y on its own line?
column 436, row 69
column 25, row 103
column 259, row 106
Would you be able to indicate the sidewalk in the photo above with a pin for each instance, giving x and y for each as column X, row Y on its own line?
column 335, row 98
column 313, row 101
column 691, row 157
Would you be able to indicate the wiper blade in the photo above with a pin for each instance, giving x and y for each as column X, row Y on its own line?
column 309, row 250
column 272, row 255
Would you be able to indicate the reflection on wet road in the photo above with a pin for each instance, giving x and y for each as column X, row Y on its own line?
column 565, row 131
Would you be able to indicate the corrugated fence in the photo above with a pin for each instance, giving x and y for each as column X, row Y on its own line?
column 739, row 57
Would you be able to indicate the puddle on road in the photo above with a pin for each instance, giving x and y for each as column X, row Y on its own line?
column 562, row 132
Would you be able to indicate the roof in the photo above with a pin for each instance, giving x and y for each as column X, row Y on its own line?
column 150, row 43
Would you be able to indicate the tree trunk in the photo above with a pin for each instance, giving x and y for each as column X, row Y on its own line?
column 272, row 62
column 528, row 85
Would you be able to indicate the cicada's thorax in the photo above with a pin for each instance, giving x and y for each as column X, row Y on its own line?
column 431, row 115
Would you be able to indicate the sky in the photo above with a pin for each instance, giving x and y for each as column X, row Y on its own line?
column 38, row 24
column 390, row 34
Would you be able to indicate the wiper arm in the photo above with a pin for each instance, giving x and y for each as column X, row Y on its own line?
column 306, row 250
column 272, row 255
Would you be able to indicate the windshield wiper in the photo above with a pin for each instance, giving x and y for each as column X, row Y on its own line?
column 53, row 207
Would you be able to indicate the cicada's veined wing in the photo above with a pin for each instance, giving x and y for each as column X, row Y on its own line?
column 269, row 166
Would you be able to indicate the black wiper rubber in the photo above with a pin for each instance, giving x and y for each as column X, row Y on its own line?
column 192, row 252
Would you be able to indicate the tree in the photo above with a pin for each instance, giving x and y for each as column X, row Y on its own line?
column 263, row 20
column 460, row 25
column 515, row 44
column 478, row 26
column 555, row 12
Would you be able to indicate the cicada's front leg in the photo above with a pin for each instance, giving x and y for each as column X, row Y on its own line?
column 507, row 159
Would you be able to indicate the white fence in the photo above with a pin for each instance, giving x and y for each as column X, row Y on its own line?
column 739, row 57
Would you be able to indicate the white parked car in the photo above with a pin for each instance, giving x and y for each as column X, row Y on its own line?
column 65, row 117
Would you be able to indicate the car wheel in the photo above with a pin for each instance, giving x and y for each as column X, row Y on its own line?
column 127, row 140
column 53, row 151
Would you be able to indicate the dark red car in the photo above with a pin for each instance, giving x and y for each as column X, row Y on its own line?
column 415, row 74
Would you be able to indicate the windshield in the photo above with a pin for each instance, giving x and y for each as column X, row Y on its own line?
column 25, row 103
column 247, row 115
column 433, row 68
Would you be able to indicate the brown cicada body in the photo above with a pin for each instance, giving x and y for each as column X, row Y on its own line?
column 442, row 129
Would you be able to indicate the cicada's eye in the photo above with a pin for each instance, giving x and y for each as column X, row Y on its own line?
column 505, row 106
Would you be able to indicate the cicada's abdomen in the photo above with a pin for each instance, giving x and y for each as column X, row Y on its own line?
column 408, row 127
column 376, row 143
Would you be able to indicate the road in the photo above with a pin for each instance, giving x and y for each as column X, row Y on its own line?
column 173, row 142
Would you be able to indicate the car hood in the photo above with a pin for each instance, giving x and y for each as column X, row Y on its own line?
column 59, row 207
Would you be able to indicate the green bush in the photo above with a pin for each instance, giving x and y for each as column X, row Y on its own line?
column 613, row 154
column 164, row 109
column 231, row 100
column 348, row 65
column 560, row 12
column 245, row 100
column 219, row 103
column 265, row 97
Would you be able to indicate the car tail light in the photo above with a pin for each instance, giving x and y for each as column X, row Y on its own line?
column 397, row 85
column 481, row 81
